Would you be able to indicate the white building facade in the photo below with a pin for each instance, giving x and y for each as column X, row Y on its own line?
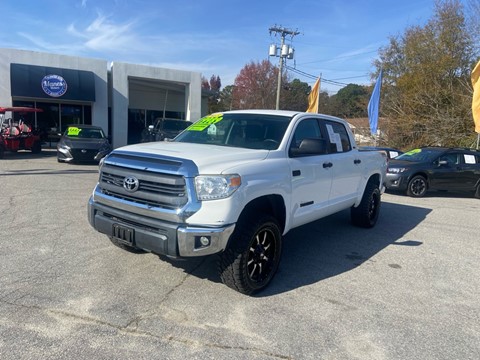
column 121, row 98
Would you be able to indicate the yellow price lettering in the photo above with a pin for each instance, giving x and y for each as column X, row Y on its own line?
column 414, row 151
column 73, row 131
column 205, row 122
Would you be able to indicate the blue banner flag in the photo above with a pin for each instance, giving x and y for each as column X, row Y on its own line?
column 374, row 104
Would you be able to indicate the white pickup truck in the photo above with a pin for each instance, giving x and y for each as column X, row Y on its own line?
column 234, row 183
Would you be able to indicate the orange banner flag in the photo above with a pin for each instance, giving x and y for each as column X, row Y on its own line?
column 313, row 98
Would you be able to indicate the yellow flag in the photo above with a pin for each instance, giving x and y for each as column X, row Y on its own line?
column 313, row 98
column 476, row 97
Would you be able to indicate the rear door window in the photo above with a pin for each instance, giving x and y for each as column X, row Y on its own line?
column 338, row 137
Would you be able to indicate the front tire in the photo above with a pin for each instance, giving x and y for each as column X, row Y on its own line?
column 417, row 186
column 253, row 255
column 366, row 213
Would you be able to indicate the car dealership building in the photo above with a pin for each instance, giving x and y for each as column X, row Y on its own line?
column 122, row 98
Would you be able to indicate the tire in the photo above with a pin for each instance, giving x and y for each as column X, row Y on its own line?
column 253, row 255
column 366, row 213
column 477, row 192
column 121, row 245
column 417, row 186
column 2, row 152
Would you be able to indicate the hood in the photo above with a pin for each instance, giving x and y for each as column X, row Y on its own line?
column 210, row 159
column 394, row 163
column 84, row 143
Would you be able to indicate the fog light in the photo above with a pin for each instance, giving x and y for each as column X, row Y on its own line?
column 205, row 241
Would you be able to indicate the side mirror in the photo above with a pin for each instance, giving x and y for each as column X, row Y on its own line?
column 310, row 146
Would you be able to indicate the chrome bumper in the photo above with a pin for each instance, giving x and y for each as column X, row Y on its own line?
column 158, row 236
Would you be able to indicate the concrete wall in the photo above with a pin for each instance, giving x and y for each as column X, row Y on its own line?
column 122, row 72
column 98, row 67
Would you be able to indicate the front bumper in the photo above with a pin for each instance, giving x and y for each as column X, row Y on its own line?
column 157, row 236
column 396, row 182
column 79, row 155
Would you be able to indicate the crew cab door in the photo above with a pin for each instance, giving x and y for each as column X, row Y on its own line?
column 346, row 165
column 311, row 173
column 455, row 171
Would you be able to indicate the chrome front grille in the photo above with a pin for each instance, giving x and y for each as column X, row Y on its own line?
column 155, row 189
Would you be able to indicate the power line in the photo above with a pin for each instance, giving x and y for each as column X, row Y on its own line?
column 331, row 82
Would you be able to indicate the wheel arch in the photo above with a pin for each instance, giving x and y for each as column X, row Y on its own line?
column 420, row 173
column 273, row 205
column 375, row 179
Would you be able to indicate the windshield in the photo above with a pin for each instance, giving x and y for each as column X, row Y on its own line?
column 84, row 133
column 420, row 155
column 251, row 131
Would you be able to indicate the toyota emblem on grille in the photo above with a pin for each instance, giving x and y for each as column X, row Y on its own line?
column 131, row 183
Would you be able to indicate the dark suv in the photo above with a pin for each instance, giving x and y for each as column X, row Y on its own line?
column 164, row 129
column 435, row 168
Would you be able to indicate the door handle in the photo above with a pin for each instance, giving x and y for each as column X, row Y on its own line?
column 327, row 165
column 357, row 161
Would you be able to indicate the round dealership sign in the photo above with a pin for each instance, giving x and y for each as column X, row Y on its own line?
column 54, row 85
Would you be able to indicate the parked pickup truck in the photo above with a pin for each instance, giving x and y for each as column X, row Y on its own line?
column 234, row 183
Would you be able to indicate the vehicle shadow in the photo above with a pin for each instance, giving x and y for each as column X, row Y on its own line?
column 47, row 172
column 326, row 248
column 26, row 154
column 438, row 194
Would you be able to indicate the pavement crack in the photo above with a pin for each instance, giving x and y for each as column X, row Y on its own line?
column 134, row 330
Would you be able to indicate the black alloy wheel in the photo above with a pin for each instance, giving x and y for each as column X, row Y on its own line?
column 417, row 186
column 261, row 254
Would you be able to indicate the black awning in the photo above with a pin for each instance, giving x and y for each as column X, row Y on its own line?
column 52, row 83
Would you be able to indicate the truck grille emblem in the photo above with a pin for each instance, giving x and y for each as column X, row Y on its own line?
column 131, row 183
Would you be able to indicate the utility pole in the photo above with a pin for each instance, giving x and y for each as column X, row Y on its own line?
column 286, row 52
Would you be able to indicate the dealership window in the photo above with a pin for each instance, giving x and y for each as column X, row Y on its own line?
column 55, row 117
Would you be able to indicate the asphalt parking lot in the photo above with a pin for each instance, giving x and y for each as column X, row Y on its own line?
column 407, row 289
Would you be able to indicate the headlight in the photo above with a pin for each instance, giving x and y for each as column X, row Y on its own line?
column 64, row 147
column 212, row 187
column 104, row 147
column 396, row 170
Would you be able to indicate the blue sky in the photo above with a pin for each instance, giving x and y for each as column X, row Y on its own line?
column 338, row 39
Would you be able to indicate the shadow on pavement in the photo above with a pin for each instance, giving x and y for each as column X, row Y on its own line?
column 439, row 194
column 326, row 248
column 25, row 154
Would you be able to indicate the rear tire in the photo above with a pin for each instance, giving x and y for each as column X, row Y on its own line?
column 253, row 255
column 477, row 192
column 417, row 186
column 2, row 152
column 366, row 214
